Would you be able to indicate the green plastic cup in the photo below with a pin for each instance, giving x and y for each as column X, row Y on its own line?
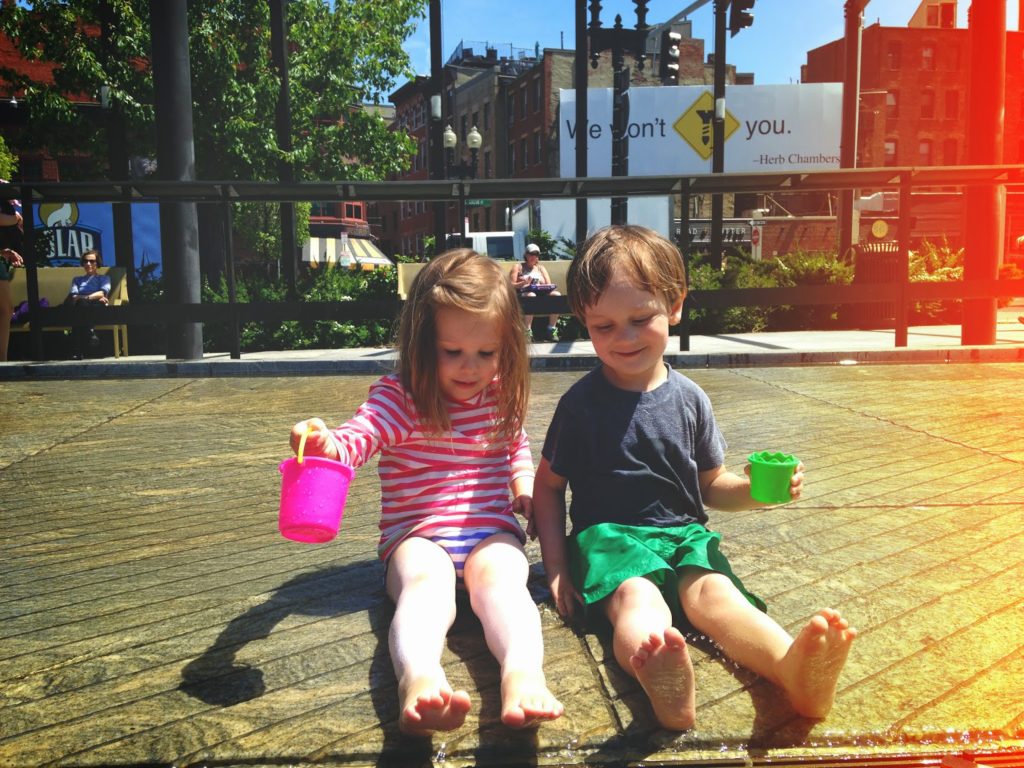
column 770, row 473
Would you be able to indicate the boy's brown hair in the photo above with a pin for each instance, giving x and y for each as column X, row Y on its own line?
column 463, row 279
column 646, row 258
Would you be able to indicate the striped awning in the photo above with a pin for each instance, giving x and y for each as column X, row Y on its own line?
column 344, row 251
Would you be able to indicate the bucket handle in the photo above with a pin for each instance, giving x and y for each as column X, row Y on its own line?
column 302, row 444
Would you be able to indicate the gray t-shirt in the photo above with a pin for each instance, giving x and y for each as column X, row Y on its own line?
column 633, row 458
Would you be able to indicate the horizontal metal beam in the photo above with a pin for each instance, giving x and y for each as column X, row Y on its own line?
column 514, row 189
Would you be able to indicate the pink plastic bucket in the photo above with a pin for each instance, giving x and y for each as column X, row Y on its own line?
column 313, row 496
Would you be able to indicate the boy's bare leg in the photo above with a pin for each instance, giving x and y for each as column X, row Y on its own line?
column 421, row 581
column 647, row 646
column 495, row 575
column 807, row 668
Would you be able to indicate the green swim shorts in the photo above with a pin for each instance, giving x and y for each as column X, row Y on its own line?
column 605, row 555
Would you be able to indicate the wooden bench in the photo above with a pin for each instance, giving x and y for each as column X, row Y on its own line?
column 54, row 285
column 556, row 270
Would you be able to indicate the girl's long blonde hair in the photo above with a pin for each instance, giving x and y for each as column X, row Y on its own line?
column 463, row 279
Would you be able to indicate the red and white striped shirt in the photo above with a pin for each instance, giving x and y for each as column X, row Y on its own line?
column 429, row 480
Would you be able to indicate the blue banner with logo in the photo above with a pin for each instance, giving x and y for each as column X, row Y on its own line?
column 73, row 228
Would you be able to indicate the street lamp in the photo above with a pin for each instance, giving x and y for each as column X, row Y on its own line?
column 461, row 170
column 619, row 41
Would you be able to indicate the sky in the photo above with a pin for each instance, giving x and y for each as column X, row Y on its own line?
column 773, row 48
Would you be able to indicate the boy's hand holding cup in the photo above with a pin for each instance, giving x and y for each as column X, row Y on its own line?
column 775, row 478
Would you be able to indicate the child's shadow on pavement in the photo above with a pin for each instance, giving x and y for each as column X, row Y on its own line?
column 216, row 678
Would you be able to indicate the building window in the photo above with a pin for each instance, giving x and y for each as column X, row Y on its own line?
column 522, row 103
column 524, row 146
column 536, row 94
column 464, row 127
column 928, row 58
column 511, row 158
column 537, row 148
column 952, row 105
column 949, row 152
column 924, row 152
column 487, row 115
column 487, row 164
column 890, row 151
column 476, row 118
column 892, row 104
column 893, row 54
column 927, row 104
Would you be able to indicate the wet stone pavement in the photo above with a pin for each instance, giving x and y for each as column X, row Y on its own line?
column 150, row 613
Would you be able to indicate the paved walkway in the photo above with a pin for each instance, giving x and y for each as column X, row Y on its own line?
column 151, row 614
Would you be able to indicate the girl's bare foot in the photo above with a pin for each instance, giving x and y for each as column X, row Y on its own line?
column 810, row 669
column 429, row 707
column 663, row 668
column 526, row 700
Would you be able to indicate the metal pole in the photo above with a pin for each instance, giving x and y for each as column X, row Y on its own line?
column 903, row 263
column 683, row 241
column 117, row 160
column 229, row 267
column 854, row 10
column 718, row 134
column 179, row 225
column 436, row 123
column 581, row 115
column 620, row 136
column 986, row 206
column 283, row 129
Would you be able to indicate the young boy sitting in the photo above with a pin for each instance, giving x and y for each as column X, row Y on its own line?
column 638, row 445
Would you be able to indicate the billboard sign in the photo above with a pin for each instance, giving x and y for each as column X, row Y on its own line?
column 767, row 128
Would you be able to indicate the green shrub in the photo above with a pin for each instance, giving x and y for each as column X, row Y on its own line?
column 322, row 285
column 933, row 263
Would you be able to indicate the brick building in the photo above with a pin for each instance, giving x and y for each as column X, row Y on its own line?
column 914, row 92
column 513, row 101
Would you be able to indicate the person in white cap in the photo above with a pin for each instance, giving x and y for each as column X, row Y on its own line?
column 531, row 279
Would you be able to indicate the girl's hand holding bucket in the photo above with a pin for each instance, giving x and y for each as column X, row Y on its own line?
column 312, row 438
column 313, row 488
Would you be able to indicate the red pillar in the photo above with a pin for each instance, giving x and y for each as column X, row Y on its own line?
column 986, row 206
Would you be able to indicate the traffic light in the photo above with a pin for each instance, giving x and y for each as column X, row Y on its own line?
column 668, row 67
column 740, row 15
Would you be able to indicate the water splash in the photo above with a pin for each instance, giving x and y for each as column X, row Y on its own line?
column 570, row 747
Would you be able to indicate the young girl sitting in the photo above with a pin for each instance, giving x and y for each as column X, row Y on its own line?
column 449, row 428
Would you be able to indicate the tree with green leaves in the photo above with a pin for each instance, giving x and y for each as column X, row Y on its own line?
column 8, row 162
column 342, row 54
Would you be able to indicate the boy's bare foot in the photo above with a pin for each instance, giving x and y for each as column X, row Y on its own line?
column 663, row 668
column 526, row 700
column 810, row 669
column 429, row 707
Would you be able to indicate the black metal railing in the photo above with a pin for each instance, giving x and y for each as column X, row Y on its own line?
column 900, row 291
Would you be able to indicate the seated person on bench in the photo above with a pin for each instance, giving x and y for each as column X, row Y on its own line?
column 90, row 288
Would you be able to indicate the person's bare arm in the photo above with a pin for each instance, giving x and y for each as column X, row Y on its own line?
column 549, row 520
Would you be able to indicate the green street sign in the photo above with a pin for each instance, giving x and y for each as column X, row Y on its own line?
column 477, row 201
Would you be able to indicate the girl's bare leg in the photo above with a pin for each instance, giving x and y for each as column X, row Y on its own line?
column 421, row 582
column 806, row 668
column 495, row 575
column 647, row 646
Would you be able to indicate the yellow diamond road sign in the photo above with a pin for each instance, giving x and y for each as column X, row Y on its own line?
column 694, row 125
